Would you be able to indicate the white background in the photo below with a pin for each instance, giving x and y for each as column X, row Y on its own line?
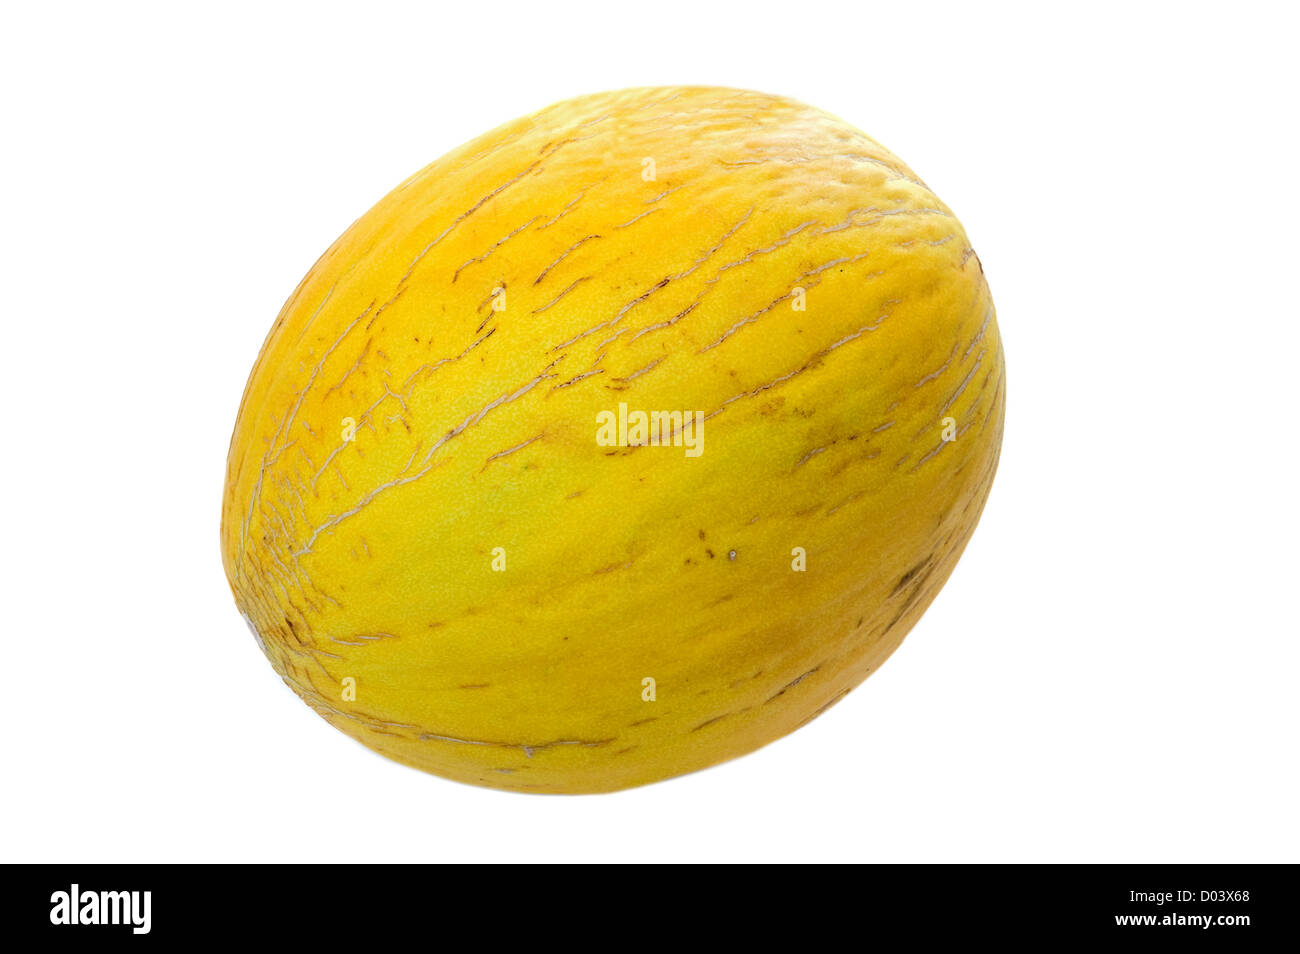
column 1110, row 674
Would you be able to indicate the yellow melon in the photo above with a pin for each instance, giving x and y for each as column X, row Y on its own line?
column 618, row 442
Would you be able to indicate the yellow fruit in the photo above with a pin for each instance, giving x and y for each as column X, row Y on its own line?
column 429, row 532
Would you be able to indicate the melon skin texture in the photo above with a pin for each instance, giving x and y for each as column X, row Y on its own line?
column 438, row 555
